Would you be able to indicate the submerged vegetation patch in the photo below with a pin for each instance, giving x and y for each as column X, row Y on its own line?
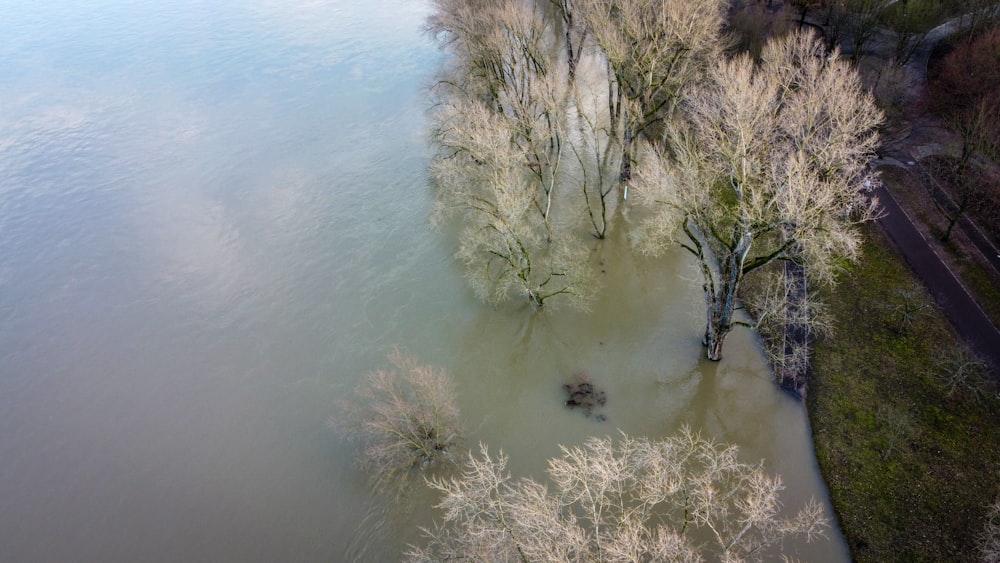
column 582, row 393
column 406, row 418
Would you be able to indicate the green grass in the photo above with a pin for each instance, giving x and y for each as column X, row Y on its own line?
column 910, row 469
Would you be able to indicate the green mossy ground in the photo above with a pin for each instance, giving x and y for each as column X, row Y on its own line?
column 910, row 469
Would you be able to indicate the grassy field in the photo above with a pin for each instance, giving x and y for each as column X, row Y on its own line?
column 910, row 463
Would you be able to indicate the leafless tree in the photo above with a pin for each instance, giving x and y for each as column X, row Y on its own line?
column 506, row 245
column 965, row 92
column 788, row 317
column 497, row 47
column 896, row 427
column 634, row 500
column 598, row 157
column 654, row 49
column 504, row 59
column 862, row 19
column 575, row 34
column 772, row 167
column 912, row 306
column 912, row 22
column 959, row 370
column 406, row 418
column 504, row 139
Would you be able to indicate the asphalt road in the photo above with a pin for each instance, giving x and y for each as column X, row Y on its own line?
column 968, row 319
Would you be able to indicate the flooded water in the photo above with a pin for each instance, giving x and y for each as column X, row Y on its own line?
column 213, row 223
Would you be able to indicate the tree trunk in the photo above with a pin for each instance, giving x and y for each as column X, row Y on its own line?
column 713, row 343
column 571, row 57
column 964, row 190
column 625, row 174
column 721, row 300
column 951, row 225
column 719, row 322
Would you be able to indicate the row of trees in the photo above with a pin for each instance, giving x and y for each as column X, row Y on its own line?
column 625, row 500
column 549, row 113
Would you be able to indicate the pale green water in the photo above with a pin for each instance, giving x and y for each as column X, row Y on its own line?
column 213, row 222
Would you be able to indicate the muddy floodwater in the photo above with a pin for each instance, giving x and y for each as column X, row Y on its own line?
column 213, row 223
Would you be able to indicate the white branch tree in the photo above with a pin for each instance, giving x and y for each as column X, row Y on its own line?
column 654, row 49
column 502, row 138
column 634, row 500
column 772, row 166
column 504, row 58
column 405, row 416
column 506, row 245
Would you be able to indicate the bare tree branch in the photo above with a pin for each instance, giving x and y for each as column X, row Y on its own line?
column 625, row 500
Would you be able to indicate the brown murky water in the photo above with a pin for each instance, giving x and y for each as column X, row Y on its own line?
column 213, row 223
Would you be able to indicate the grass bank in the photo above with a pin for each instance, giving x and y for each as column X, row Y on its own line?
column 911, row 463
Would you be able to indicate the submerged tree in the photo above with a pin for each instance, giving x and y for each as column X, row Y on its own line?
column 772, row 167
column 575, row 35
column 598, row 157
column 406, row 418
column 503, row 142
column 506, row 245
column 503, row 60
column 654, row 49
column 634, row 500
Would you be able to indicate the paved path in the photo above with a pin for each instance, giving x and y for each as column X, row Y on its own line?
column 971, row 230
column 969, row 320
column 965, row 315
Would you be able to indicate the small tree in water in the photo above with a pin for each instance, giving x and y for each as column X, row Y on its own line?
column 505, row 245
column 405, row 416
column 772, row 166
column 634, row 500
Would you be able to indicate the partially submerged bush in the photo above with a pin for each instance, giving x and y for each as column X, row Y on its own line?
column 405, row 416
column 627, row 500
column 583, row 393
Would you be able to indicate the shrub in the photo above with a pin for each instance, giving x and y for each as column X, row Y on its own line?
column 405, row 416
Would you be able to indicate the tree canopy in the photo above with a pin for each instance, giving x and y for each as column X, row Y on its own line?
column 771, row 166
